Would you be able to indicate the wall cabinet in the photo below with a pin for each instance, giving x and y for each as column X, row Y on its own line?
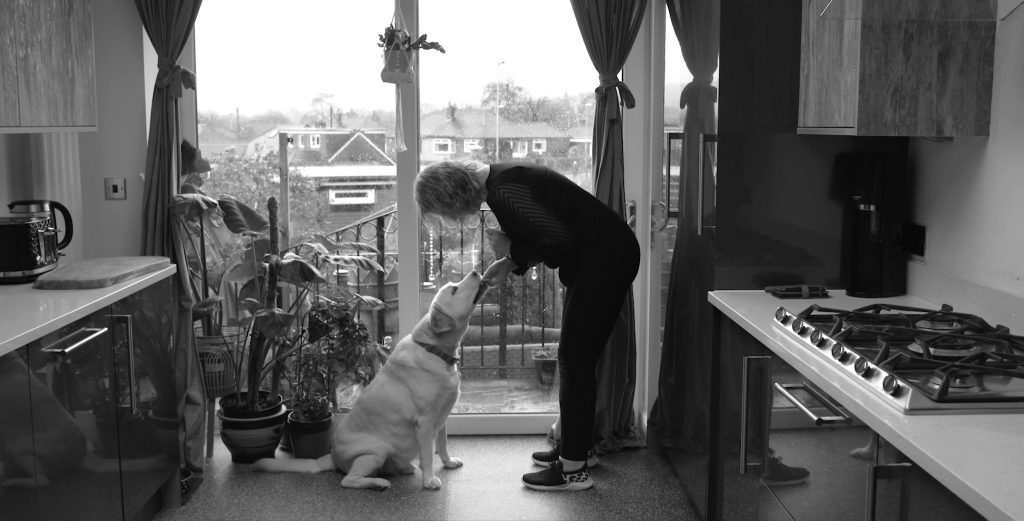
column 78, row 431
column 896, row 68
column 47, row 66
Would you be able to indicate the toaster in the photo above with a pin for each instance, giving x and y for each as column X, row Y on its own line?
column 28, row 248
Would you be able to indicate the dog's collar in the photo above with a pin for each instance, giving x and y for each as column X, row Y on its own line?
column 434, row 350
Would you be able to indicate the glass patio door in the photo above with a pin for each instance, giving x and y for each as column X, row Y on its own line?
column 502, row 99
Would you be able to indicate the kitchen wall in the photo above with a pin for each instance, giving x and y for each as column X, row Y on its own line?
column 118, row 149
column 969, row 195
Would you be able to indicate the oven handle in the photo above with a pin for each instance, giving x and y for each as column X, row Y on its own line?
column 838, row 417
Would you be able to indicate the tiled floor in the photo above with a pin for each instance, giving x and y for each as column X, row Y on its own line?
column 630, row 485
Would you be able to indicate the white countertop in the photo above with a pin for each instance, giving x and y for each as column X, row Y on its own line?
column 980, row 457
column 27, row 313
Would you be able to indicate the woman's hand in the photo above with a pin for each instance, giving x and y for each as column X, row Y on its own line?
column 498, row 271
column 500, row 243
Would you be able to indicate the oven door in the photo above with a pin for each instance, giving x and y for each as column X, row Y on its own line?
column 813, row 457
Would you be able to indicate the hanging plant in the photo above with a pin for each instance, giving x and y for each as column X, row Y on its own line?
column 398, row 46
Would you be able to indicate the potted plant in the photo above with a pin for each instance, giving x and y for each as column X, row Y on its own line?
column 398, row 46
column 545, row 361
column 275, row 333
column 334, row 347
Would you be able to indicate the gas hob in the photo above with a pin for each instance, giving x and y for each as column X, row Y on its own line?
column 920, row 361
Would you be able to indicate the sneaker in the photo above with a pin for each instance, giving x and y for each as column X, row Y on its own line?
column 553, row 478
column 780, row 475
column 545, row 458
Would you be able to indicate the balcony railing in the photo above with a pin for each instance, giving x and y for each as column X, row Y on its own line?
column 511, row 321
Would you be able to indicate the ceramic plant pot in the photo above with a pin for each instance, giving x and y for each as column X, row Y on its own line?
column 309, row 439
column 251, row 435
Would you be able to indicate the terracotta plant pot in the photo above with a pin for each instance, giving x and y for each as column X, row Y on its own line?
column 251, row 435
column 309, row 439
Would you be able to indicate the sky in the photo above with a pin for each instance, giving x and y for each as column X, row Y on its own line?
column 258, row 55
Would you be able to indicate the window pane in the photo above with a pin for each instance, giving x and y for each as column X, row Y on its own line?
column 526, row 97
column 308, row 70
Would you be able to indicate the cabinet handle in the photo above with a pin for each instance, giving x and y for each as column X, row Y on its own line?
column 79, row 338
column 132, row 384
column 759, row 366
column 839, row 416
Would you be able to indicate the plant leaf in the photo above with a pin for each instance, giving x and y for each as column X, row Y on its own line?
column 297, row 271
column 241, row 273
column 356, row 261
column 192, row 206
column 368, row 302
column 272, row 322
column 240, row 217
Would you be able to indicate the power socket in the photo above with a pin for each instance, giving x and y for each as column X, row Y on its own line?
column 113, row 188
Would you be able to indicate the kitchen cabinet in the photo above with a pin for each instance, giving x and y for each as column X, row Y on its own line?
column 47, row 66
column 896, row 68
column 78, row 424
column 803, row 456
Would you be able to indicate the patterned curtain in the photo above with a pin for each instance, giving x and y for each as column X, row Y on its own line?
column 609, row 28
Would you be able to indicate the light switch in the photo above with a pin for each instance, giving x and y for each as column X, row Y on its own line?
column 113, row 188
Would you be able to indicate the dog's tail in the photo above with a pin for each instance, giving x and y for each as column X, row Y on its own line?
column 321, row 464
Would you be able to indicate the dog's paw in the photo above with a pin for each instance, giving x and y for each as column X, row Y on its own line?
column 434, row 483
column 453, row 463
column 380, row 484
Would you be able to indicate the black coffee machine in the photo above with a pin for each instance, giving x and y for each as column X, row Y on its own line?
column 877, row 206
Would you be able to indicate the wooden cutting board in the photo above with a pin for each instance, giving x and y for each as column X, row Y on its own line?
column 99, row 273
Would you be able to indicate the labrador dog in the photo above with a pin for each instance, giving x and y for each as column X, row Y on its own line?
column 401, row 415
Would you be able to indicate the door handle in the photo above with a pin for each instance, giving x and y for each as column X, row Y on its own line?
column 133, row 387
column 79, row 338
column 755, row 413
column 631, row 213
column 838, row 415
column 657, row 225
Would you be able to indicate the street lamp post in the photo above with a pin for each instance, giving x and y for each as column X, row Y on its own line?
column 497, row 99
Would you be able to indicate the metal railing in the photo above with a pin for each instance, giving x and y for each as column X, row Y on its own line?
column 518, row 317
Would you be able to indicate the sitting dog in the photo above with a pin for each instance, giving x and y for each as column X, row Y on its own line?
column 401, row 415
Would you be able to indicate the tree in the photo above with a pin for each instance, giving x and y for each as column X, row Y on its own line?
column 508, row 97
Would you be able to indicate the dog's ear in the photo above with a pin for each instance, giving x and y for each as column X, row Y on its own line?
column 441, row 321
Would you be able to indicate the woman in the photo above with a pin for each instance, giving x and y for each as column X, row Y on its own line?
column 545, row 217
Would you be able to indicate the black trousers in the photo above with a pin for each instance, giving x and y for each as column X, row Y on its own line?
column 594, row 296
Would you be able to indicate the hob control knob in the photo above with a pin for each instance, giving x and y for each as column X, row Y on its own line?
column 780, row 315
column 890, row 385
column 840, row 353
column 818, row 339
column 799, row 327
column 863, row 368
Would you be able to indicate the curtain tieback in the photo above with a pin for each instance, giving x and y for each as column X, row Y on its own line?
column 609, row 85
column 174, row 77
column 696, row 90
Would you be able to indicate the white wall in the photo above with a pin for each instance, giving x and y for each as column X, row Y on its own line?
column 118, row 149
column 970, row 192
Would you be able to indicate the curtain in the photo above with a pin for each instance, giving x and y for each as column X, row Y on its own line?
column 696, row 25
column 169, row 24
column 609, row 28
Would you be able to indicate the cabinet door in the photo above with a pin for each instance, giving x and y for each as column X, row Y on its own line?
column 18, row 465
column 147, row 409
column 73, row 417
column 56, row 66
column 829, row 67
column 9, row 116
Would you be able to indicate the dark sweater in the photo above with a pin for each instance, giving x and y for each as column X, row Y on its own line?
column 550, row 219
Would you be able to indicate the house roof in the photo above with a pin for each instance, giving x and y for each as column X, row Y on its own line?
column 480, row 124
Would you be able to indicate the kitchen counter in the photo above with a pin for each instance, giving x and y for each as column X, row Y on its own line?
column 27, row 313
column 980, row 457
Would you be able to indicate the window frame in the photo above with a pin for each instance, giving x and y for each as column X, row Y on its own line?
column 436, row 142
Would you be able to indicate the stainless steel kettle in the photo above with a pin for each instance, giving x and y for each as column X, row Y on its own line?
column 41, row 206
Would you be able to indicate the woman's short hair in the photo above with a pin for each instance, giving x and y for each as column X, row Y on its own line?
column 450, row 189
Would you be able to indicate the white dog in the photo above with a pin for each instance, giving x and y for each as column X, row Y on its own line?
column 401, row 415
